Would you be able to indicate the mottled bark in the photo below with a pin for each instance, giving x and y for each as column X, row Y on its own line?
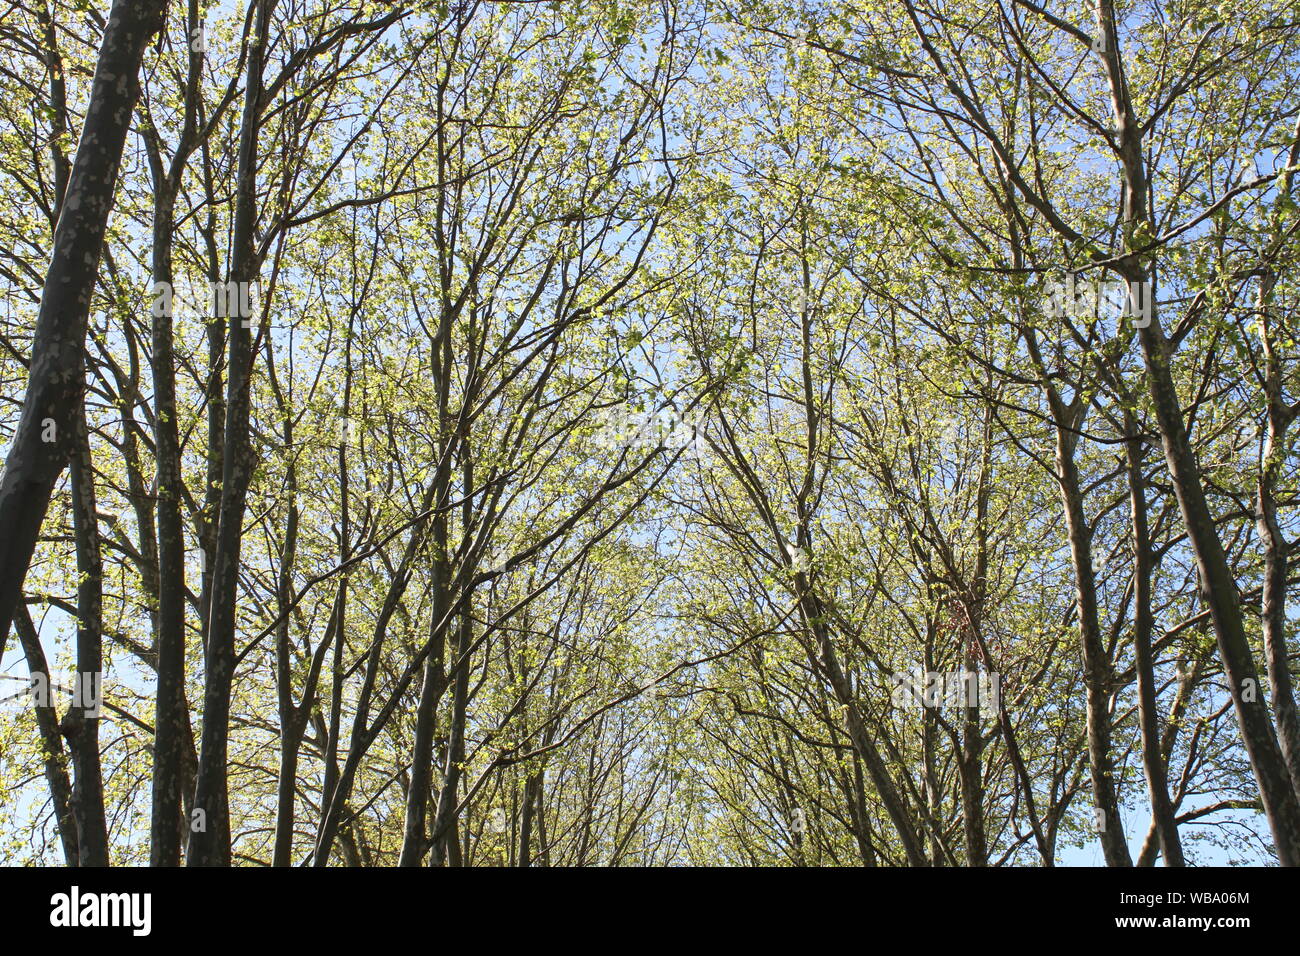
column 42, row 444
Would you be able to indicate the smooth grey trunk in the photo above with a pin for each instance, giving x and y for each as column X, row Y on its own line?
column 1153, row 761
column 1219, row 593
column 210, row 845
column 414, row 838
column 532, row 797
column 339, row 616
column 1217, row 585
column 47, row 724
column 415, row 841
column 1276, row 549
column 293, row 718
column 969, row 765
column 861, row 817
column 1097, row 671
column 172, row 737
column 292, row 729
column 444, row 829
column 170, row 705
column 81, row 724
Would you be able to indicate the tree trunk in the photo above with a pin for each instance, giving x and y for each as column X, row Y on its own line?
column 47, row 723
column 434, row 683
column 170, row 705
column 444, row 829
column 1097, row 672
column 210, row 845
column 1219, row 592
column 1162, row 811
column 42, row 444
column 81, row 724
column 1217, row 585
column 1277, row 551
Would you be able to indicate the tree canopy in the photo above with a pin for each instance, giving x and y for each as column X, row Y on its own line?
column 714, row 432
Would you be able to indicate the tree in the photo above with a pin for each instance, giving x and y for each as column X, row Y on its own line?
column 45, row 439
